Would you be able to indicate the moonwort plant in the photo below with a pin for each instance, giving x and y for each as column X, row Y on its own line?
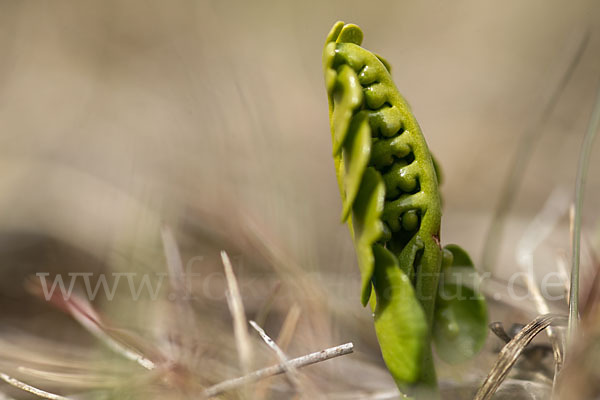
column 388, row 182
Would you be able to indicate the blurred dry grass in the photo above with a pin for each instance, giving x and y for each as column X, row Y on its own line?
column 117, row 117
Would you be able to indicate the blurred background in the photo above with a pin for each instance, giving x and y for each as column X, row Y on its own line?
column 210, row 117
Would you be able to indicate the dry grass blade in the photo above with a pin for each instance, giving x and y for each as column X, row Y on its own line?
column 265, row 309
column 510, row 353
column 270, row 342
column 173, row 256
column 84, row 313
column 236, row 307
column 289, row 327
column 185, row 319
column 284, row 338
column 79, row 380
column 33, row 390
column 582, row 168
column 292, row 372
column 299, row 362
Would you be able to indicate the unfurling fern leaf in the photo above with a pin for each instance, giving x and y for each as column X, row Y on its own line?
column 389, row 187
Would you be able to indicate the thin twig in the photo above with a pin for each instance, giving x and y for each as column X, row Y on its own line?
column 510, row 353
column 236, row 307
column 299, row 362
column 28, row 388
column 283, row 358
column 512, row 182
column 582, row 168
column 270, row 342
column 83, row 313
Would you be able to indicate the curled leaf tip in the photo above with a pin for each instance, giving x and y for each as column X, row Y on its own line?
column 350, row 33
column 334, row 32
